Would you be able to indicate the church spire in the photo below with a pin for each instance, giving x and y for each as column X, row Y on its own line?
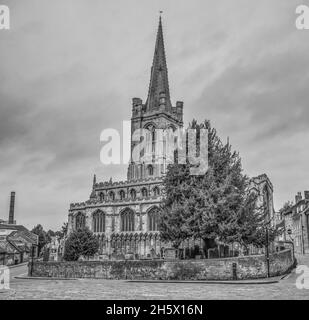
column 158, row 93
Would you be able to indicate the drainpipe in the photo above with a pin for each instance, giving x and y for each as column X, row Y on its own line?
column 267, row 253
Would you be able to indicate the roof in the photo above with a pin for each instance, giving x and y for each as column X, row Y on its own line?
column 30, row 236
column 13, row 227
column 7, row 247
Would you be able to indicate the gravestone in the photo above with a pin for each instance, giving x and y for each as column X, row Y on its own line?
column 170, row 254
column 129, row 256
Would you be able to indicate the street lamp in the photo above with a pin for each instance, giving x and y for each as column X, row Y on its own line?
column 267, row 252
column 32, row 257
column 302, row 237
column 289, row 231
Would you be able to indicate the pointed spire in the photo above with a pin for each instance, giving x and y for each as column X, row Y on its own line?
column 159, row 88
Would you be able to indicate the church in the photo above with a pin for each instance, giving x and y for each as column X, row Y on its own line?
column 124, row 215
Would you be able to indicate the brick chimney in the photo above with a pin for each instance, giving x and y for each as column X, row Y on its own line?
column 12, row 206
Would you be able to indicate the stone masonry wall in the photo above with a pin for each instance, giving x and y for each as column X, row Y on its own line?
column 249, row 267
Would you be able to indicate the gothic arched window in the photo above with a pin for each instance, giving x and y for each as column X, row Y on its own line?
column 127, row 220
column 80, row 221
column 98, row 221
column 122, row 194
column 150, row 170
column 153, row 216
column 133, row 194
column 144, row 192
column 112, row 196
column 101, row 195
column 156, row 191
column 152, row 129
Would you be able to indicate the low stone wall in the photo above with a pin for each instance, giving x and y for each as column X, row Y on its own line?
column 249, row 267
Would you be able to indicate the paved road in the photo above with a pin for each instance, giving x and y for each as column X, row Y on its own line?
column 112, row 289
column 18, row 271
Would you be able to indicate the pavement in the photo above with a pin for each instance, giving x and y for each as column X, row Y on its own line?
column 89, row 289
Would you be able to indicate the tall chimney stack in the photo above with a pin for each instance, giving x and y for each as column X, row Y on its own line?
column 12, row 206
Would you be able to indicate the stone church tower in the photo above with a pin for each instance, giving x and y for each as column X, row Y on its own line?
column 124, row 214
column 156, row 113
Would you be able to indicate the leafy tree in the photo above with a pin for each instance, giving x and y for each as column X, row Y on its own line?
column 50, row 234
column 42, row 235
column 63, row 232
column 213, row 206
column 251, row 225
column 81, row 242
column 64, row 229
column 287, row 205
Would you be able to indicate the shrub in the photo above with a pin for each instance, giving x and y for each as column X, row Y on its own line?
column 81, row 242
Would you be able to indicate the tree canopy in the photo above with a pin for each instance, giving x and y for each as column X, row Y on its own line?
column 81, row 242
column 43, row 237
column 212, row 206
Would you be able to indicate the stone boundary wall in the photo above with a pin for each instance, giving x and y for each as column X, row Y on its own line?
column 248, row 267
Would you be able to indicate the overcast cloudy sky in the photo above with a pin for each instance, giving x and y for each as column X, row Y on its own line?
column 69, row 69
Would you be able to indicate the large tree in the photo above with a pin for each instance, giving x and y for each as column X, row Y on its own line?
column 212, row 206
column 43, row 238
column 63, row 232
column 81, row 242
column 251, row 225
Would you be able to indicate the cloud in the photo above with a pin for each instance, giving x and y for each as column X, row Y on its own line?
column 69, row 69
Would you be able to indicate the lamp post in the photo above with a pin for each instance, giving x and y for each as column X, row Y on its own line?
column 32, row 258
column 302, row 237
column 291, row 242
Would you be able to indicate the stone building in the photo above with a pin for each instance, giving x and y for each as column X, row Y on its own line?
column 55, row 248
column 16, row 243
column 296, row 220
column 124, row 214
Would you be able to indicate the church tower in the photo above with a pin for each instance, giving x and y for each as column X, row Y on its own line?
column 156, row 113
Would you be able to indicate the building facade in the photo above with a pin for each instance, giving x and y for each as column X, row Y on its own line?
column 124, row 215
column 16, row 243
column 296, row 221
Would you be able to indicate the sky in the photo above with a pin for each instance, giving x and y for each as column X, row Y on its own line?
column 70, row 68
